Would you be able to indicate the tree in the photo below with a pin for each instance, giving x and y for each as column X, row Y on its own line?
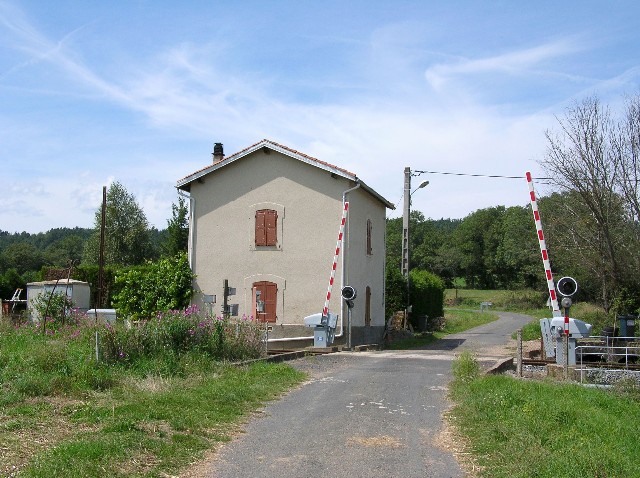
column 626, row 153
column 518, row 254
column 177, row 238
column 156, row 286
column 126, row 231
column 9, row 282
column 573, row 244
column 23, row 257
column 67, row 249
column 477, row 240
column 593, row 160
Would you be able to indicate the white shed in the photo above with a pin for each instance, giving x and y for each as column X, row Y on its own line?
column 78, row 291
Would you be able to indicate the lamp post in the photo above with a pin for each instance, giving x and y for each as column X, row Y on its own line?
column 405, row 225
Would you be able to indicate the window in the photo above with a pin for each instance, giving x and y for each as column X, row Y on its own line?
column 369, row 228
column 266, row 227
column 367, row 307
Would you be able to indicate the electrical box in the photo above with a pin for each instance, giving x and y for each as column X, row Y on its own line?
column 102, row 315
column 324, row 328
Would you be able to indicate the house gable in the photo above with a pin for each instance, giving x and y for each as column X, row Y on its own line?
column 265, row 220
column 266, row 146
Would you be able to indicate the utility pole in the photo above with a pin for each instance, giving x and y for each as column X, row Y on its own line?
column 405, row 222
column 405, row 239
column 405, row 230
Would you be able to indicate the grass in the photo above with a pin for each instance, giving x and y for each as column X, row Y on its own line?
column 64, row 415
column 518, row 428
column 152, row 426
column 525, row 302
column 518, row 300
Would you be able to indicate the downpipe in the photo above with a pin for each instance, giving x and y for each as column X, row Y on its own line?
column 342, row 279
column 192, row 205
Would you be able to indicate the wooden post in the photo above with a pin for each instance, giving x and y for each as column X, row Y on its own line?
column 519, row 354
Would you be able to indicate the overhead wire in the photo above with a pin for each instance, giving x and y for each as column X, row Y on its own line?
column 498, row 176
column 493, row 176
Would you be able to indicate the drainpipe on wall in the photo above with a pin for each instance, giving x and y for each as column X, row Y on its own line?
column 342, row 279
column 192, row 205
column 343, row 276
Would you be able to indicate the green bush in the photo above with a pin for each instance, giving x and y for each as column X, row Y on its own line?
column 427, row 295
column 395, row 292
column 162, row 285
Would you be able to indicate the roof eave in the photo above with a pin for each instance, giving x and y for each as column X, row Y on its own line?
column 185, row 183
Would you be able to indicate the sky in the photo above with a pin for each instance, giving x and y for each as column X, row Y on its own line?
column 139, row 91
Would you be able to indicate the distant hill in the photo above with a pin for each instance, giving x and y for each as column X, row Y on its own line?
column 42, row 240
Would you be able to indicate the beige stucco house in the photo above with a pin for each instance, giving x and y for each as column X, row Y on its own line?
column 266, row 220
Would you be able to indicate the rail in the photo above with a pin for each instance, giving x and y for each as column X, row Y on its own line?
column 621, row 353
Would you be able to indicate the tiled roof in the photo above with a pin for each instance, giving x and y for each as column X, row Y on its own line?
column 263, row 143
column 184, row 182
column 309, row 157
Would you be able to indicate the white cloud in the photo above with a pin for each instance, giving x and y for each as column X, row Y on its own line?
column 198, row 92
column 517, row 62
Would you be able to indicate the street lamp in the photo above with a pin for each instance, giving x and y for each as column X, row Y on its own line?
column 405, row 219
column 405, row 225
column 422, row 184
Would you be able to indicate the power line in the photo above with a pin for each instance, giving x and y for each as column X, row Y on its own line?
column 493, row 176
column 498, row 176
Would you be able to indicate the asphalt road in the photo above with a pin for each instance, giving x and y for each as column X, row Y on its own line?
column 361, row 414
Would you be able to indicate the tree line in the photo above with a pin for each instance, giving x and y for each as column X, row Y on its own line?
column 590, row 212
column 492, row 248
column 590, row 215
column 130, row 241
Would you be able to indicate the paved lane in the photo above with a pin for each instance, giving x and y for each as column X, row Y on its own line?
column 361, row 414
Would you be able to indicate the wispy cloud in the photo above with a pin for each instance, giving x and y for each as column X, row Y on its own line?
column 148, row 115
column 518, row 62
column 39, row 48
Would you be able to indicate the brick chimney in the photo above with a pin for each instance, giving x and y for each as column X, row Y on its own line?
column 218, row 153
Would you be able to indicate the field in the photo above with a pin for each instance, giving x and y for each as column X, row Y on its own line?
column 523, row 428
column 63, row 414
column 525, row 302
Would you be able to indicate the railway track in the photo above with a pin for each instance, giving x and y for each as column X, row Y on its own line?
column 603, row 365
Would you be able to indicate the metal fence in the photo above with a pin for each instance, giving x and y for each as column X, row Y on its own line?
column 609, row 358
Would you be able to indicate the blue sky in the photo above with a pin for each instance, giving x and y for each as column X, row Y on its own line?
column 138, row 92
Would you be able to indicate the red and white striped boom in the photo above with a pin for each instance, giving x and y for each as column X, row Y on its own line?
column 543, row 249
column 345, row 209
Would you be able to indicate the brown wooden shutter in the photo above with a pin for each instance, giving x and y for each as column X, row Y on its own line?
column 369, row 230
column 269, row 294
column 266, row 227
column 271, row 226
column 261, row 229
